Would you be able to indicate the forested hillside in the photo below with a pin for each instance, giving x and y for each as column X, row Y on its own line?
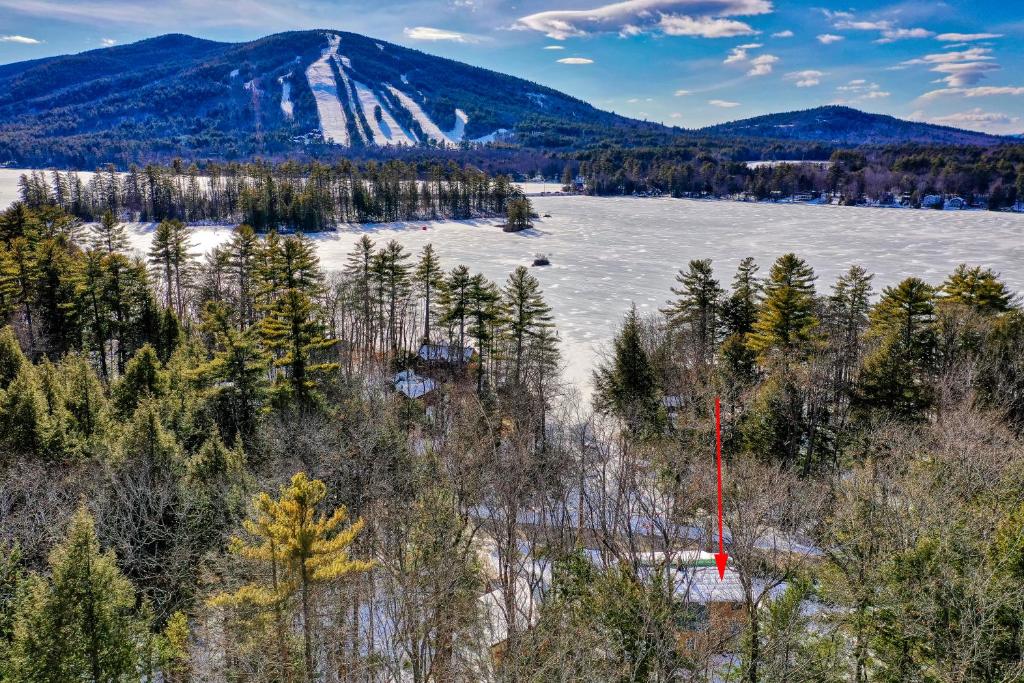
column 240, row 467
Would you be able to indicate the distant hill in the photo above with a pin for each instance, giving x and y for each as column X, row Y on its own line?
column 847, row 126
column 179, row 95
column 324, row 93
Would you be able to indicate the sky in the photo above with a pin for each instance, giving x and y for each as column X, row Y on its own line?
column 686, row 63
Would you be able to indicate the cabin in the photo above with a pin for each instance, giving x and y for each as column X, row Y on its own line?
column 443, row 353
column 412, row 385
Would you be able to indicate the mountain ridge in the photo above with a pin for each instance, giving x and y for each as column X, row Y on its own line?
column 324, row 92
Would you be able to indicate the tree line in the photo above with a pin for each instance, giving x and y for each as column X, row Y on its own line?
column 206, row 474
column 996, row 174
column 268, row 196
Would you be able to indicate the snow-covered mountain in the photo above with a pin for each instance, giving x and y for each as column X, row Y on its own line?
column 177, row 94
column 329, row 93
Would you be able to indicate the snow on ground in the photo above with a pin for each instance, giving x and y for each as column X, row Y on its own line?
column 387, row 131
column 333, row 121
column 430, row 129
column 459, row 131
column 287, row 107
column 609, row 253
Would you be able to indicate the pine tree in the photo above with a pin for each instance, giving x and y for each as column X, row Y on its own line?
column 359, row 268
column 292, row 331
column 786, row 323
column 626, row 385
column 12, row 360
column 143, row 378
column 302, row 548
column 243, row 251
column 392, row 273
column 739, row 311
column 429, row 279
column 109, row 235
column 483, row 312
column 455, row 303
column 528, row 318
column 977, row 288
column 25, row 425
column 237, row 373
column 81, row 623
column 697, row 308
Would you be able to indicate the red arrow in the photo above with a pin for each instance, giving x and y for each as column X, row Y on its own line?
column 721, row 557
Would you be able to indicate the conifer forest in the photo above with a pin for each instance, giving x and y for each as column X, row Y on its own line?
column 241, row 466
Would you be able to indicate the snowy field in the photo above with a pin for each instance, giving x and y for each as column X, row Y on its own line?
column 607, row 253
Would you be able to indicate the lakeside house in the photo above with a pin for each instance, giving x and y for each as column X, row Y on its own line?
column 444, row 353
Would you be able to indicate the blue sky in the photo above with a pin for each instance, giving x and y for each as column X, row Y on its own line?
column 682, row 62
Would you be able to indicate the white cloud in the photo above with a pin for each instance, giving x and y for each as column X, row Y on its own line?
column 675, row 17
column 108, row 42
column 829, row 38
column 964, row 74
column 975, row 119
column 681, row 93
column 554, row 47
column 973, row 54
column 981, row 91
column 805, row 79
column 861, row 89
column 575, row 60
column 783, row 34
column 437, row 34
column 762, row 65
column 966, row 37
column 725, row 104
column 704, row 27
column 892, row 35
column 850, row 24
column 961, row 68
column 23, row 40
column 737, row 54
column 676, row 115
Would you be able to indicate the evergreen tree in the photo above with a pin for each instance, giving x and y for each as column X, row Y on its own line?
column 243, row 250
column 303, row 549
column 483, row 312
column 739, row 310
column 237, row 374
column 25, row 425
column 697, row 308
column 528, row 317
column 626, row 385
column 429, row 279
column 292, row 331
column 12, row 360
column 978, row 288
column 144, row 377
column 81, row 623
column 786, row 323
column 894, row 381
column 109, row 235
column 455, row 304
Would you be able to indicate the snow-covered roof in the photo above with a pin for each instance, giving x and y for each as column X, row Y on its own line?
column 496, row 620
column 443, row 352
column 412, row 385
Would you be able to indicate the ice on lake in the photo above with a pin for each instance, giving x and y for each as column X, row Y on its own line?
column 609, row 253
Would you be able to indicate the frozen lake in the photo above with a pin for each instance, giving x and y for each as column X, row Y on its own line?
column 608, row 253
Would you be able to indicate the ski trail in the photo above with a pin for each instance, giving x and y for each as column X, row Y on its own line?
column 320, row 76
column 387, row 131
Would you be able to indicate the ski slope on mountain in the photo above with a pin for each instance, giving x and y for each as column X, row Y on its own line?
column 320, row 76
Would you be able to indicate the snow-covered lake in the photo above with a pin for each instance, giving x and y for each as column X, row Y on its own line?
column 607, row 253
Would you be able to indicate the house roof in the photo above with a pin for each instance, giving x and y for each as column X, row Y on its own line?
column 443, row 352
column 412, row 385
